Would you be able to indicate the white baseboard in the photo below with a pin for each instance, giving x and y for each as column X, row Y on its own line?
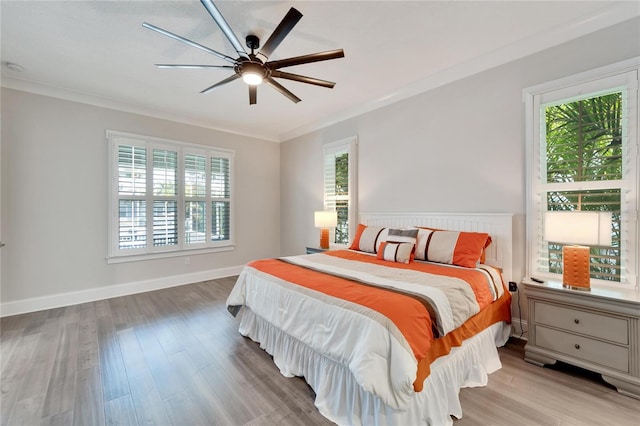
column 519, row 328
column 107, row 292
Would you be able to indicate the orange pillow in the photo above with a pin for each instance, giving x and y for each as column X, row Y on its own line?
column 451, row 247
column 369, row 238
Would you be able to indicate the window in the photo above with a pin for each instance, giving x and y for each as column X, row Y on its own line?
column 167, row 196
column 583, row 155
column 340, row 186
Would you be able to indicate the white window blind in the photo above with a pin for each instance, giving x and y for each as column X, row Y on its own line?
column 167, row 196
column 583, row 156
column 339, row 187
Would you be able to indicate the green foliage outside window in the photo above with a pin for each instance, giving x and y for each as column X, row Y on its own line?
column 584, row 144
column 342, row 190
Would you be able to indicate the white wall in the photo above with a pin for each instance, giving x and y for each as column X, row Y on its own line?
column 54, row 203
column 457, row 148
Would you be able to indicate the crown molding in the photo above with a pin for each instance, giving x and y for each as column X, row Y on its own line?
column 98, row 101
column 608, row 16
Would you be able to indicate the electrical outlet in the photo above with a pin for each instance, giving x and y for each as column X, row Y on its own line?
column 513, row 286
column 187, row 261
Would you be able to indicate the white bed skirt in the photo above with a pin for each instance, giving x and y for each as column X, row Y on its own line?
column 340, row 399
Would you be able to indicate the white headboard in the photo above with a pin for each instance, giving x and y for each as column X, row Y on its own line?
column 498, row 225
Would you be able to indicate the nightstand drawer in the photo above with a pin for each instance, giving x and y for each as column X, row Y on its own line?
column 602, row 353
column 587, row 323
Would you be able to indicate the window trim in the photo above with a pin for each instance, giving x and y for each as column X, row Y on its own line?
column 114, row 253
column 565, row 88
column 350, row 144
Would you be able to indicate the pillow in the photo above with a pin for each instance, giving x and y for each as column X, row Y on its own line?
column 403, row 235
column 452, row 247
column 396, row 252
column 368, row 238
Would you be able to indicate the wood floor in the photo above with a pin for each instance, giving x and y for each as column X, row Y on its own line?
column 175, row 357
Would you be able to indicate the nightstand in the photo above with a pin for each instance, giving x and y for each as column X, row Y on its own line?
column 597, row 330
column 311, row 250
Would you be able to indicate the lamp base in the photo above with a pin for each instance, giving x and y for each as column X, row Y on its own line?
column 572, row 287
column 324, row 238
column 576, row 272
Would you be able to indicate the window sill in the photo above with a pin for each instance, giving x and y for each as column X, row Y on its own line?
column 167, row 254
column 595, row 283
column 598, row 291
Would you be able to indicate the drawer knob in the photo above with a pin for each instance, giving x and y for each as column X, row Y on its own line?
column 577, row 346
column 577, row 321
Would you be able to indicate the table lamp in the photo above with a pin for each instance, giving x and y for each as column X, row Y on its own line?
column 325, row 220
column 580, row 229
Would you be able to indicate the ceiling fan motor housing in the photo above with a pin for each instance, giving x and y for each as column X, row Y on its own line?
column 253, row 65
column 253, row 42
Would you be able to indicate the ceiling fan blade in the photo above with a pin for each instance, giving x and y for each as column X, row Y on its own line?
column 253, row 95
column 306, row 59
column 284, row 27
column 189, row 42
column 302, row 79
column 224, row 26
column 271, row 82
column 192, row 66
column 220, row 83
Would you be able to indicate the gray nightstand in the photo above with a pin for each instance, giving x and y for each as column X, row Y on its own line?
column 597, row 330
column 311, row 250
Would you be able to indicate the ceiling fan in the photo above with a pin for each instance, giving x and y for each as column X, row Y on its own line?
column 255, row 68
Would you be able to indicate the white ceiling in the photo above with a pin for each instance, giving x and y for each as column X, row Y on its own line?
column 98, row 52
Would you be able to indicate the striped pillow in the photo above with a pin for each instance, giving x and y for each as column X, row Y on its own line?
column 396, row 252
column 369, row 238
column 451, row 247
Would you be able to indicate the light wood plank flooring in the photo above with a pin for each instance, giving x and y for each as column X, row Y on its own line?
column 175, row 356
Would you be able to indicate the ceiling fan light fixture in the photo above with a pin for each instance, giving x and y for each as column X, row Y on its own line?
column 252, row 73
column 252, row 78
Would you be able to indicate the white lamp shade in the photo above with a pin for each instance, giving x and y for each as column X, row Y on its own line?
column 583, row 228
column 325, row 219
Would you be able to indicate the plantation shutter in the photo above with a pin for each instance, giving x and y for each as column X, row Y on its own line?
column 584, row 159
column 220, row 197
column 167, row 196
column 132, row 192
column 331, row 192
column 195, row 191
column 339, row 186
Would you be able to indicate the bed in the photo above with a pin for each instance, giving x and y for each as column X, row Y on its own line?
column 388, row 332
